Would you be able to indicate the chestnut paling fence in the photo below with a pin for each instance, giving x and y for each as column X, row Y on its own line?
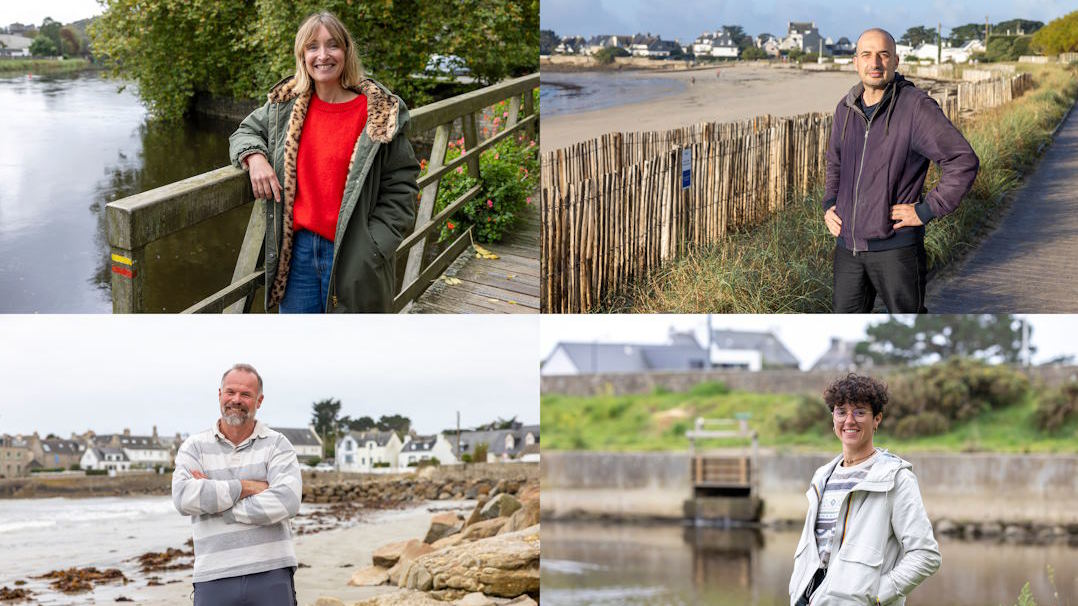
column 616, row 208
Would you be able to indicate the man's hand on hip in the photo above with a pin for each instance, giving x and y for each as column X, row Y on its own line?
column 833, row 222
column 905, row 216
column 249, row 487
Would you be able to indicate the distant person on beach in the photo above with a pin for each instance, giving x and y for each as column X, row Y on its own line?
column 331, row 232
column 885, row 133
column 240, row 483
column 867, row 538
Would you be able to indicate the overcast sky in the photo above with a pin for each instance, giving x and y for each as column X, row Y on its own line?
column 61, row 374
column 806, row 336
column 33, row 12
column 687, row 19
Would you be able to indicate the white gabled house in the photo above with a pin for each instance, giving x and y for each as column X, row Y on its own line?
column 368, row 452
column 424, row 448
column 105, row 458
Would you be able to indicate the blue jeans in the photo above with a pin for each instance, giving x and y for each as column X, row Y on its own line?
column 308, row 275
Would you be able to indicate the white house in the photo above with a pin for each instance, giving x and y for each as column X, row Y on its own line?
column 598, row 43
column 105, row 458
column 715, row 44
column 424, row 448
column 305, row 440
column 503, row 444
column 142, row 452
column 368, row 452
column 802, row 36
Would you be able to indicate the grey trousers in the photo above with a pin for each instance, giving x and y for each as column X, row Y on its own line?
column 270, row 588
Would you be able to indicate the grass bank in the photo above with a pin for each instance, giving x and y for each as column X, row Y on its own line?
column 784, row 265
column 42, row 66
column 658, row 421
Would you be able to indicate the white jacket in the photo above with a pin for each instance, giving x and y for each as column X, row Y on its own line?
column 883, row 545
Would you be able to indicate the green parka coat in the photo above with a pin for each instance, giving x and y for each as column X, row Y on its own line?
column 377, row 210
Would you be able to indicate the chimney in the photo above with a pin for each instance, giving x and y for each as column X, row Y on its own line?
column 127, row 431
column 155, row 433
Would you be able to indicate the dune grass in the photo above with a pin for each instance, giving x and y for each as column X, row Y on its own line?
column 784, row 265
column 658, row 421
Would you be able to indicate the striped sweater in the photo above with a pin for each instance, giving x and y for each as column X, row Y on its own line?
column 841, row 482
column 234, row 536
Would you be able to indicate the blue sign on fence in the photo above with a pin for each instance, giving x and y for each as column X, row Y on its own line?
column 686, row 168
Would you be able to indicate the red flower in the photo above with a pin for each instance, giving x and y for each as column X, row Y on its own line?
column 490, row 203
column 450, row 225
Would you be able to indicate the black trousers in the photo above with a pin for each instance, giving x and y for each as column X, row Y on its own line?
column 897, row 275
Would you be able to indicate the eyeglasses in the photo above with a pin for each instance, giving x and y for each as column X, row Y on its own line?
column 859, row 414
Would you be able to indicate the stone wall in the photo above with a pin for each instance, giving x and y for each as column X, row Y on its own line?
column 767, row 381
column 1011, row 488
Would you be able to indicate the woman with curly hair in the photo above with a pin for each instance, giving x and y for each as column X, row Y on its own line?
column 867, row 538
column 335, row 140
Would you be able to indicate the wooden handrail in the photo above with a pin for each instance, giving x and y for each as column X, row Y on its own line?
column 137, row 221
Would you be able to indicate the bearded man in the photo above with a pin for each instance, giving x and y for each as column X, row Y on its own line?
column 240, row 482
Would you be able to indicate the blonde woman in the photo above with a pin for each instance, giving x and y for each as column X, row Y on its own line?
column 329, row 154
column 867, row 539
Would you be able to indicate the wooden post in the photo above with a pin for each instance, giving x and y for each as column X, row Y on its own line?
column 127, row 280
column 426, row 203
column 529, row 109
column 471, row 140
column 250, row 252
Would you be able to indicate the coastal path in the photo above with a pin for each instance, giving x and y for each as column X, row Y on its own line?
column 505, row 280
column 135, row 223
column 1028, row 263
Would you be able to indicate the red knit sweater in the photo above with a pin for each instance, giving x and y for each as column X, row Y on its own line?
column 329, row 136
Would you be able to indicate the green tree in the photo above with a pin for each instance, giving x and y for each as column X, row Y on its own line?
column 1007, row 48
column 928, row 337
column 606, row 56
column 395, row 423
column 363, row 423
column 752, row 53
column 548, row 40
column 42, row 46
column 69, row 42
column 738, row 36
column 325, row 419
column 500, row 423
column 1013, row 26
column 1059, row 36
column 918, row 34
column 52, row 28
column 964, row 33
column 239, row 48
column 479, row 454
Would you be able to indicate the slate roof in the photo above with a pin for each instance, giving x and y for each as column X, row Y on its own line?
column 62, row 447
column 101, row 451
column 380, row 438
column 420, row 444
column 299, row 436
column 773, row 352
column 631, row 357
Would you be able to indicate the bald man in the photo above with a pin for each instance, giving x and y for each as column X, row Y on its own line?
column 885, row 133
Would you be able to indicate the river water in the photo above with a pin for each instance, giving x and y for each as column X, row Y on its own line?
column 71, row 145
column 588, row 564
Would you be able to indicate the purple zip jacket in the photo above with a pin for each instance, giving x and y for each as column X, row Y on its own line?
column 872, row 165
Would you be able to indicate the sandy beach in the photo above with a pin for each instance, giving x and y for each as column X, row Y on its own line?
column 739, row 92
column 327, row 561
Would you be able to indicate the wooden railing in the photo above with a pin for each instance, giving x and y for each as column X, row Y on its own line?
column 139, row 220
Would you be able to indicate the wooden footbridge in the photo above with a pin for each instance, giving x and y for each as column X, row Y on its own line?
column 508, row 283
column 725, row 484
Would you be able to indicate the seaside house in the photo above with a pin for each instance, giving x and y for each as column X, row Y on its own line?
column 646, row 45
column 425, row 448
column 715, row 44
column 105, row 458
column 305, row 440
column 141, row 452
column 572, row 45
column 368, row 452
column 503, row 445
column 56, row 453
column 598, row 43
column 749, row 350
column 15, row 456
column 14, row 46
column 802, row 36
column 840, row 357
column 843, row 47
column 961, row 54
column 682, row 352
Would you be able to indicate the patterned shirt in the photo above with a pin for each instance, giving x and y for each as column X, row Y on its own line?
column 839, row 484
column 234, row 536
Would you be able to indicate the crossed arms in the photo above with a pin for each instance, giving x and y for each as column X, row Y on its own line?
column 196, row 492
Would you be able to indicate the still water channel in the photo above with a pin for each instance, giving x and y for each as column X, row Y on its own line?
column 587, row 564
column 72, row 144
